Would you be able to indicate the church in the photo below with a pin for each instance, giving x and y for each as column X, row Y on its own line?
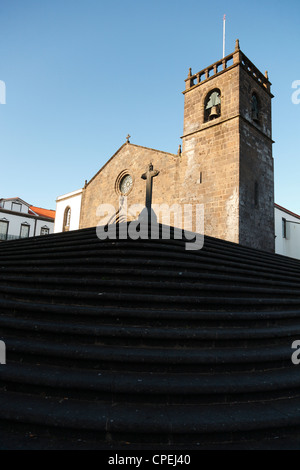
column 225, row 162
column 118, row 344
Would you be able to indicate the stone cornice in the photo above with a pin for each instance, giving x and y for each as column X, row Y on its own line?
column 227, row 120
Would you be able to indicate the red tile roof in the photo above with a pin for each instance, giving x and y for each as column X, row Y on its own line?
column 43, row 212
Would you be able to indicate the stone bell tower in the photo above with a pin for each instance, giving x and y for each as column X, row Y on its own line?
column 227, row 144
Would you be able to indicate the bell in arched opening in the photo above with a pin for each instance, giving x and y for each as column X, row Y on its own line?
column 213, row 106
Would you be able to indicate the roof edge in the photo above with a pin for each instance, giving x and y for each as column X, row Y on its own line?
column 293, row 214
column 124, row 145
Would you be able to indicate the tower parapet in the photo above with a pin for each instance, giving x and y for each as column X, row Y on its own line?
column 230, row 61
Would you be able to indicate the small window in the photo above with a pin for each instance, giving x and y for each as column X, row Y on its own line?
column 284, row 232
column 255, row 107
column 212, row 106
column 25, row 229
column 16, row 207
column 45, row 231
column 67, row 220
column 3, row 229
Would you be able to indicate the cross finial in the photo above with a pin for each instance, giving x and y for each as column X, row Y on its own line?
column 127, row 138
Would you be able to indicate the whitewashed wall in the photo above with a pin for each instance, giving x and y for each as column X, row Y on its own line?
column 43, row 223
column 15, row 222
column 72, row 200
column 289, row 246
column 16, row 206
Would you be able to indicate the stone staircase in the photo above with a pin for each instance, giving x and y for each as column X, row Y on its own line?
column 119, row 343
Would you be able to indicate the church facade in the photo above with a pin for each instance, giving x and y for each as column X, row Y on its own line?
column 225, row 162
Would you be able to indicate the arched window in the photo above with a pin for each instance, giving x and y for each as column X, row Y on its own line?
column 255, row 107
column 67, row 219
column 212, row 105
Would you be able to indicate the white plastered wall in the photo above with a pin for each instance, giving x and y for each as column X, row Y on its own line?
column 72, row 200
column 289, row 246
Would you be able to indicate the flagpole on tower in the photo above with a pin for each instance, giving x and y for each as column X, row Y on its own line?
column 224, row 33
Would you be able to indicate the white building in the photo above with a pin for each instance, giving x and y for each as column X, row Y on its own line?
column 287, row 232
column 18, row 219
column 68, row 209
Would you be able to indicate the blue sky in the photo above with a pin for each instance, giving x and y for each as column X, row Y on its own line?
column 82, row 74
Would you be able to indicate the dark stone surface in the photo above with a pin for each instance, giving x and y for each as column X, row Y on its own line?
column 123, row 344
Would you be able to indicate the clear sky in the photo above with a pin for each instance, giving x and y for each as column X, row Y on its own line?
column 82, row 74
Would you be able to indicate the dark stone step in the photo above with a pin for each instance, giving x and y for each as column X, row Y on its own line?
column 147, row 418
column 212, row 247
column 191, row 346
column 159, row 314
column 83, row 327
column 116, row 382
column 142, row 286
column 88, row 236
column 152, row 355
column 19, row 437
column 113, row 255
column 139, row 300
column 112, row 273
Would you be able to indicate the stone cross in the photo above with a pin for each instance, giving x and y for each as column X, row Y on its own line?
column 148, row 176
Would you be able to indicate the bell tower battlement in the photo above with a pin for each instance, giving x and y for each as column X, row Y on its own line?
column 227, row 139
column 237, row 57
column 198, row 84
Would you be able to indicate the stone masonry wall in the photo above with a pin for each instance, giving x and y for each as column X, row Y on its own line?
column 135, row 159
column 256, row 168
column 212, row 149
